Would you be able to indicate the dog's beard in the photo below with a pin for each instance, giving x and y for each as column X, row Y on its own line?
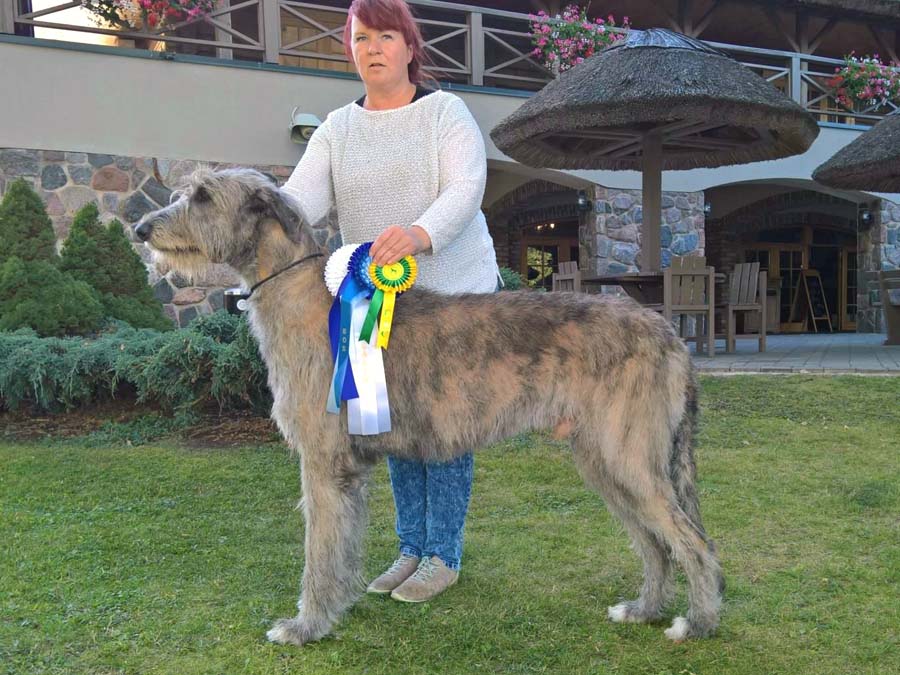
column 189, row 263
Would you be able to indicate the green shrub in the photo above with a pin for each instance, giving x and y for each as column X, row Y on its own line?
column 512, row 281
column 213, row 361
column 25, row 228
column 103, row 257
column 35, row 294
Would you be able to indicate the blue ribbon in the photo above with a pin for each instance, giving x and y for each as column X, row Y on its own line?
column 343, row 386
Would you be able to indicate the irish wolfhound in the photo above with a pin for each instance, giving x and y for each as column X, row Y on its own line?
column 462, row 372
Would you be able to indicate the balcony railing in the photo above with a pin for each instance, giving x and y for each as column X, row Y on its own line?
column 468, row 45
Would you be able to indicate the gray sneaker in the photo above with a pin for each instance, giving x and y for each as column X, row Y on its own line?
column 395, row 575
column 431, row 579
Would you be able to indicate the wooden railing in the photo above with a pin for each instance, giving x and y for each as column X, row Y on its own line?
column 471, row 45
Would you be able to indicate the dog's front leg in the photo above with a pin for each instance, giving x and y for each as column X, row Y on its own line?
column 334, row 505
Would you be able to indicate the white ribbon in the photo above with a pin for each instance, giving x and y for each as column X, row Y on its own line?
column 370, row 413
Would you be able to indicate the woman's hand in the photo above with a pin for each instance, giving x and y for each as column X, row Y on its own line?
column 397, row 242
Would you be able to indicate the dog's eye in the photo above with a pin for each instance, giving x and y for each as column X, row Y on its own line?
column 201, row 195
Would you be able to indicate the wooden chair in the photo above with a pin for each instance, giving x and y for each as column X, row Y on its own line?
column 568, row 278
column 889, row 284
column 689, row 289
column 746, row 294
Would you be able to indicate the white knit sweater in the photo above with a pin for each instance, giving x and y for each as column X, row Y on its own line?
column 422, row 164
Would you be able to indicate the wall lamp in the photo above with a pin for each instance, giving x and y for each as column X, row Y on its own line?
column 303, row 125
column 583, row 203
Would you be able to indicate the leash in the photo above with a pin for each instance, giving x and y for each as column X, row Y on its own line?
column 269, row 278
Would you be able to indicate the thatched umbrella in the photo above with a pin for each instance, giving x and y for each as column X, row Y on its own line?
column 655, row 101
column 871, row 161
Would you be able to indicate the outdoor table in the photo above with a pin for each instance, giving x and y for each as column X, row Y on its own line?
column 645, row 287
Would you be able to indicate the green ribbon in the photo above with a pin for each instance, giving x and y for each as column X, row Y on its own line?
column 369, row 324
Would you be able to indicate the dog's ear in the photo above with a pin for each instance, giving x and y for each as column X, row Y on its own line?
column 273, row 202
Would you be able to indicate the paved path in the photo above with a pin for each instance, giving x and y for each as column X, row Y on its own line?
column 823, row 353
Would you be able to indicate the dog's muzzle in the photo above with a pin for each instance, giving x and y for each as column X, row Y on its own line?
column 144, row 229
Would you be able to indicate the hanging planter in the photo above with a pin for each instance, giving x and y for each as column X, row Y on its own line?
column 147, row 14
column 865, row 83
column 565, row 40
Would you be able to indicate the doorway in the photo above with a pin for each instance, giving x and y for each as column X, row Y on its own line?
column 787, row 252
column 543, row 247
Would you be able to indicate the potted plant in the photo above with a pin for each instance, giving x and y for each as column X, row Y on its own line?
column 865, row 82
column 567, row 39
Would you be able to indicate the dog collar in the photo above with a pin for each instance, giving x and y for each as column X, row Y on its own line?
column 269, row 278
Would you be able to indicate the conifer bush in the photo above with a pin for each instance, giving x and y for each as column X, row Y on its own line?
column 103, row 257
column 36, row 294
column 26, row 231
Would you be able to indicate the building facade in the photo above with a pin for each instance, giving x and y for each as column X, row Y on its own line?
column 120, row 114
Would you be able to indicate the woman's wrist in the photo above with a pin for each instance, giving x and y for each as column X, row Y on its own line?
column 421, row 238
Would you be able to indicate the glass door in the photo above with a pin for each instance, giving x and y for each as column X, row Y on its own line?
column 541, row 256
column 541, row 261
column 790, row 265
column 848, row 287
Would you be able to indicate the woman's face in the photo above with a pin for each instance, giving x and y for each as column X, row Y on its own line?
column 381, row 56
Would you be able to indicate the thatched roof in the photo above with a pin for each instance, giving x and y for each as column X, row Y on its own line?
column 710, row 110
column 888, row 8
column 869, row 162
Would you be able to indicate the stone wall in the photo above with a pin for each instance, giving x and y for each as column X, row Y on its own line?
column 126, row 188
column 879, row 246
column 611, row 238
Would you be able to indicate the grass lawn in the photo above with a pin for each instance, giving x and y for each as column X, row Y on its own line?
column 166, row 559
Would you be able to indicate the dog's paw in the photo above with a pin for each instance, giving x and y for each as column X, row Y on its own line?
column 294, row 631
column 631, row 612
column 680, row 630
column 619, row 614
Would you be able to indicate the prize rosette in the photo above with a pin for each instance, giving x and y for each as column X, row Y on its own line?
column 364, row 294
column 389, row 281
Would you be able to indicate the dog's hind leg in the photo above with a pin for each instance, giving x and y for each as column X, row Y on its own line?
column 334, row 504
column 676, row 534
column 645, row 500
column 693, row 551
column 657, row 587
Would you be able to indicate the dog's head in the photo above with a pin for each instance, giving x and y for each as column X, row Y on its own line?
column 218, row 217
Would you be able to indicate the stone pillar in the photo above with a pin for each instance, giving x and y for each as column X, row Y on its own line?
column 878, row 249
column 611, row 238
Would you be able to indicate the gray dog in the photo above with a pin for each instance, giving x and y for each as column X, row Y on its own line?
column 461, row 372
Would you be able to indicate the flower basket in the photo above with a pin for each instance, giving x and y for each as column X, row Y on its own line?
column 565, row 40
column 147, row 14
column 865, row 83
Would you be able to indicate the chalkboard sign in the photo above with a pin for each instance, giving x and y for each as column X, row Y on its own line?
column 810, row 296
column 816, row 295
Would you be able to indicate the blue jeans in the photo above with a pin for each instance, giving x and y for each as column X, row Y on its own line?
column 431, row 501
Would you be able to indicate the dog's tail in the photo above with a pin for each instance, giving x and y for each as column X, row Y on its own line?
column 683, row 469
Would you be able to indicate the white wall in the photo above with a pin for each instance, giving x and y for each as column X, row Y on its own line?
column 106, row 102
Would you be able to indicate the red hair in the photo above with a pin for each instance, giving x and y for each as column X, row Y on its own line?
column 390, row 15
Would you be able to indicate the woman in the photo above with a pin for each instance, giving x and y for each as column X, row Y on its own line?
column 405, row 167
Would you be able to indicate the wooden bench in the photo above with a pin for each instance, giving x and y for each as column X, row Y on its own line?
column 889, row 284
